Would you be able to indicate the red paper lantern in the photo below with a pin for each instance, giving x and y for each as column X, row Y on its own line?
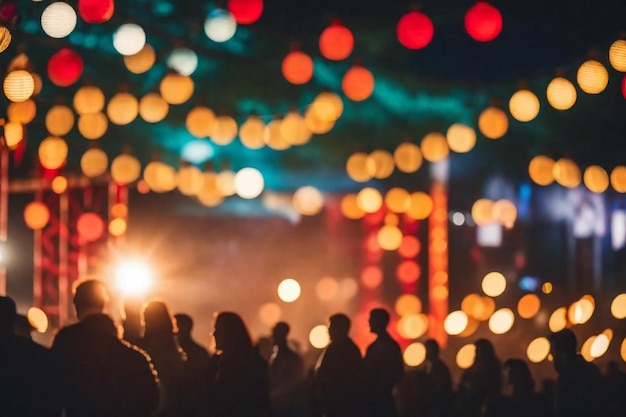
column 415, row 30
column 96, row 11
column 336, row 42
column 90, row 226
column 65, row 67
column 483, row 22
column 624, row 86
column 358, row 83
column 245, row 12
column 297, row 67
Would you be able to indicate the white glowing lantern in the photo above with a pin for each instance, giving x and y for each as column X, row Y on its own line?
column 129, row 39
column 220, row 26
column 249, row 183
column 289, row 290
column 183, row 60
column 58, row 20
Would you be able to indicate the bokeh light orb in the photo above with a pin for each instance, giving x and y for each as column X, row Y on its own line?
column 93, row 125
column 134, row 277
column 53, row 152
column 160, row 177
column 223, row 130
column 176, row 88
column 389, row 238
column 125, row 169
column 434, row 147
column 246, row 12
column 308, row 201
column 415, row 30
column 494, row 284
column 226, row 183
column 90, row 226
column 5, row 38
column 541, row 170
column 96, row 11
column 297, row 68
column 482, row 212
column 410, row 247
column 315, row 123
column 336, row 42
column 37, row 319
column 153, row 108
column 294, row 129
column 524, row 105
column 380, row 164
column 421, row 206
column 455, row 323
column 129, row 39
column 538, row 350
column 369, row 200
column 251, row 133
column 36, row 215
column 350, row 207
column 142, row 61
column 59, row 184
column 408, row 271
column 319, row 337
column 528, row 306
column 596, row 179
column 558, row 320
column 183, row 60
column 65, row 67
column 189, row 180
column 22, row 112
column 398, row 200
column 220, row 26
column 465, row 356
column 599, row 346
column 94, row 162
column 412, row 326
column 118, row 227
column 483, row 22
column 592, row 77
column 461, row 138
column 58, row 20
column 618, row 179
column 289, row 290
column 122, row 109
column 200, row 121
column 59, row 120
column 408, row 157
column 371, row 276
column 18, row 86
column 270, row 314
column 567, row 173
column 358, row 83
column 501, row 321
column 618, row 307
column 414, row 354
column 505, row 212
column 13, row 134
column 408, row 304
column 327, row 288
column 357, row 167
column 249, row 183
column 493, row 123
column 88, row 99
column 617, row 55
column 561, row 93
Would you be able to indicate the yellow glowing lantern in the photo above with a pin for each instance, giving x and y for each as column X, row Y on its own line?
column 251, row 133
column 482, row 212
column 125, row 169
column 528, row 306
column 117, row 227
column 380, row 163
column 408, row 157
column 389, row 237
column 142, row 61
column 567, row 173
column 94, row 162
column 36, row 215
column 461, row 138
column 493, row 123
column 270, row 314
column 561, row 93
column 412, row 326
column 153, row 108
column 308, row 201
column 592, row 77
column 398, row 200
column 465, row 356
column 538, row 350
column 59, row 120
column 176, row 88
column 294, row 129
column 414, row 354
column 189, row 180
column 558, row 320
column 357, row 167
column 596, row 179
column 618, row 307
column 5, row 38
column 122, row 108
column 52, row 152
column 274, row 136
column 501, row 321
column 200, row 120
column 408, row 304
column 617, row 55
column 541, row 170
column 318, row 337
column 93, row 125
column 59, row 184
column 88, row 99
column 13, row 134
column 369, row 200
column 350, row 207
column 22, row 112
column 524, row 105
column 421, row 206
column 38, row 319
column 494, row 284
column 316, row 124
column 434, row 147
column 19, row 85
column 160, row 177
column 327, row 106
column 223, row 130
column 618, row 179
column 504, row 212
column 455, row 323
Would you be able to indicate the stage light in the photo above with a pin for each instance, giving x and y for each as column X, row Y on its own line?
column 289, row 290
column 133, row 277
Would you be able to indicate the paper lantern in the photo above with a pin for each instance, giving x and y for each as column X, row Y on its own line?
column 357, row 169
column 596, row 179
column 96, row 11
column 90, row 226
column 294, row 129
column 541, row 170
column 5, row 38
column 358, row 83
column 618, row 179
column 93, row 125
column 249, row 183
column 617, row 55
column 434, row 147
column 58, row 20
column 52, row 152
column 36, row 215
column 493, row 123
column 152, row 108
column 22, row 112
column 297, row 67
column 220, row 26
column 129, row 39
column 245, row 12
column 122, row 108
column 183, row 60
column 408, row 157
column 483, row 22
column 38, row 83
column 592, row 77
column 336, row 42
column 142, row 61
column 59, row 120
column 200, row 120
column 18, row 86
column 13, row 134
column 189, row 180
column 561, row 94
column 94, row 162
column 415, row 30
column 461, row 138
column 308, row 201
column 223, row 130
column 125, row 169
column 567, row 173
column 251, row 133
column 327, row 106
column 524, row 105
column 176, row 88
column 65, row 67
column 88, row 99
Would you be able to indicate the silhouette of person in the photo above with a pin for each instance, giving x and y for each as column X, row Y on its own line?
column 159, row 342
column 384, row 366
column 23, row 327
column 438, row 382
column 520, row 399
column 286, row 371
column 237, row 376
column 27, row 371
column 196, row 354
column 616, row 387
column 579, row 388
column 339, row 374
column 131, row 325
column 103, row 375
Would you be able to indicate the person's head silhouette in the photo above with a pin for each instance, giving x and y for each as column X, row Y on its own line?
column 338, row 327
column 432, row 349
column 184, row 322
column 279, row 333
column 562, row 347
column 90, row 297
column 230, row 333
column 157, row 320
column 8, row 315
column 379, row 320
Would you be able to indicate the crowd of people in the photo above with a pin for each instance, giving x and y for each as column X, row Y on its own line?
column 154, row 368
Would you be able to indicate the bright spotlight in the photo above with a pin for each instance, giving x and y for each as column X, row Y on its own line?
column 133, row 277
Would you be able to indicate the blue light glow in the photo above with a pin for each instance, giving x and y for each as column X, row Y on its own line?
column 529, row 284
column 197, row 151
